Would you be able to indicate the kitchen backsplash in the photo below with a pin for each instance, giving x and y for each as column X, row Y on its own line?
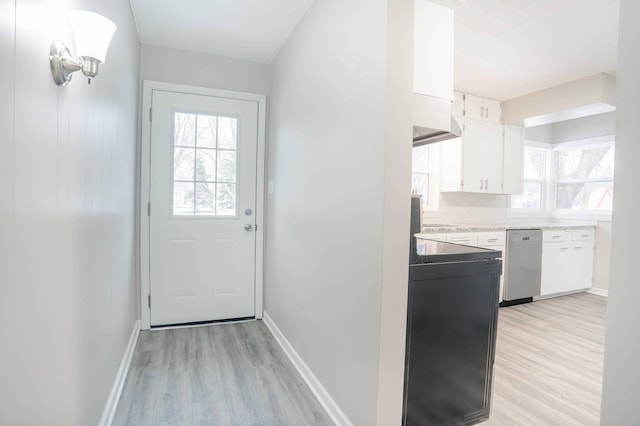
column 470, row 208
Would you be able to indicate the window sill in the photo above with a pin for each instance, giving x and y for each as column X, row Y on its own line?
column 583, row 215
column 528, row 214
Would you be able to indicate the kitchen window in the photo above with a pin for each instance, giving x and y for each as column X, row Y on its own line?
column 424, row 175
column 584, row 177
column 535, row 179
column 569, row 180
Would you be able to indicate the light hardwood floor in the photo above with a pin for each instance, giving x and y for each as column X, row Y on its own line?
column 548, row 371
column 549, row 358
column 223, row 374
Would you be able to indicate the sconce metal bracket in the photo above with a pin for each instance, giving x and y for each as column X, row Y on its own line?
column 62, row 63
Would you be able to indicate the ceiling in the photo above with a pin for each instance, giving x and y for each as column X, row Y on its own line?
column 508, row 48
column 244, row 29
column 503, row 48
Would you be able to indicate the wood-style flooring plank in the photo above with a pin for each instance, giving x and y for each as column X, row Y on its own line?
column 223, row 374
column 549, row 361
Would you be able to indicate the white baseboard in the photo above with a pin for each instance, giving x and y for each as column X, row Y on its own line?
column 330, row 406
column 598, row 291
column 118, row 384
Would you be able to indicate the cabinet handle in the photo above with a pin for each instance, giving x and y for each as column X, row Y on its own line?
column 564, row 248
column 555, row 236
column 491, row 240
column 486, row 184
column 577, row 247
column 481, row 184
column 481, row 111
column 586, row 235
column 486, row 112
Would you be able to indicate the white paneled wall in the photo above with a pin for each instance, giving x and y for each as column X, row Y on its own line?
column 67, row 217
column 337, row 219
column 621, row 382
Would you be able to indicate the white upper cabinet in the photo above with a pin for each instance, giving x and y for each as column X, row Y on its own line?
column 473, row 163
column 489, row 156
column 484, row 109
column 433, row 50
column 513, row 178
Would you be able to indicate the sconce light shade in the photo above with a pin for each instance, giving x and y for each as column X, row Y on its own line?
column 93, row 34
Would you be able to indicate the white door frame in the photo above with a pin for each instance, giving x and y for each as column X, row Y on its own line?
column 145, row 162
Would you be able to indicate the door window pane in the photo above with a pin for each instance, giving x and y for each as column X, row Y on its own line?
column 184, row 129
column 227, row 132
column 183, row 193
column 207, row 129
column 204, row 165
column 205, row 198
column 226, row 199
column 183, row 163
column 226, row 166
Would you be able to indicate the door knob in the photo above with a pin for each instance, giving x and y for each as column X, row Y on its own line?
column 248, row 227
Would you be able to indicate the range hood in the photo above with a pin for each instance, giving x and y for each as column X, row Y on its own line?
column 432, row 120
column 433, row 71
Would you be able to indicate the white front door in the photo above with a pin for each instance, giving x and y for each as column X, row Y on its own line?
column 202, row 208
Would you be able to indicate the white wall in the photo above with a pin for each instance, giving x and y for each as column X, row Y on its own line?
column 577, row 98
column 197, row 69
column 621, row 383
column 570, row 130
column 584, row 128
column 67, row 237
column 329, row 221
column 397, row 178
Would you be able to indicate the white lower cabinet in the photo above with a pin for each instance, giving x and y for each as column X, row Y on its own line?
column 567, row 255
column 567, row 261
column 556, row 265
column 581, row 265
column 495, row 241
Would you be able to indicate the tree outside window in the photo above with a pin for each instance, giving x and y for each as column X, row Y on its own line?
column 584, row 178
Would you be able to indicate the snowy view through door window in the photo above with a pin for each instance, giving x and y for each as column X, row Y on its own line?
column 204, row 165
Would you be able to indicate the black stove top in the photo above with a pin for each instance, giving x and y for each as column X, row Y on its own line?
column 430, row 251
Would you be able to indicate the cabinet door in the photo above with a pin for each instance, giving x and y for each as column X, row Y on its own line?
column 492, row 110
column 556, row 266
column 473, row 107
column 581, row 265
column 513, row 171
column 473, row 153
column 433, row 50
column 493, row 158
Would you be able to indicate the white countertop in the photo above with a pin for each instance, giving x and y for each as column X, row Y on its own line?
column 462, row 227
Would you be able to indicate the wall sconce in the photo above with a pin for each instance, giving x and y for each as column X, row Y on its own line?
column 93, row 34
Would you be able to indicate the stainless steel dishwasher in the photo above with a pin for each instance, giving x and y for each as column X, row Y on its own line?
column 523, row 264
